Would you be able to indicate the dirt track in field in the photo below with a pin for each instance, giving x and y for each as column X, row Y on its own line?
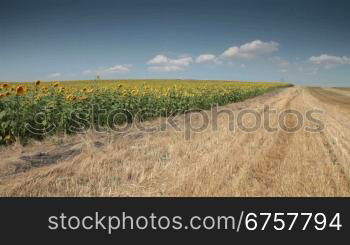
column 215, row 162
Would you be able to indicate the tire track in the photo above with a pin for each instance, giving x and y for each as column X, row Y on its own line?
column 272, row 157
column 284, row 139
column 331, row 98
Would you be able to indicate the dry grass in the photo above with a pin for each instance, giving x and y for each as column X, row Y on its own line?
column 212, row 163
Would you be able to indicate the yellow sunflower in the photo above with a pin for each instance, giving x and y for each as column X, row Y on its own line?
column 20, row 90
column 71, row 97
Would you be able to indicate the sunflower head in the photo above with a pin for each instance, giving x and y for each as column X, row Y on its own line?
column 5, row 85
column 56, row 84
column 37, row 83
column 20, row 90
column 71, row 97
column 9, row 138
column 135, row 92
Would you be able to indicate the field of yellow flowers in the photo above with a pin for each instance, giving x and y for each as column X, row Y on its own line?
column 37, row 109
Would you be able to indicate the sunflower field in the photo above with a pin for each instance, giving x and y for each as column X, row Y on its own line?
column 38, row 109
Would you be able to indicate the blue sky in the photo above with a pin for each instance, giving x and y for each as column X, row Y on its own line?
column 304, row 42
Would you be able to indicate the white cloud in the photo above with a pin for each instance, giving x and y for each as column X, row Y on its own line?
column 53, row 75
column 251, row 50
column 329, row 61
column 161, row 59
column 158, row 59
column 108, row 70
column 117, row 69
column 208, row 58
column 166, row 68
column 162, row 63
